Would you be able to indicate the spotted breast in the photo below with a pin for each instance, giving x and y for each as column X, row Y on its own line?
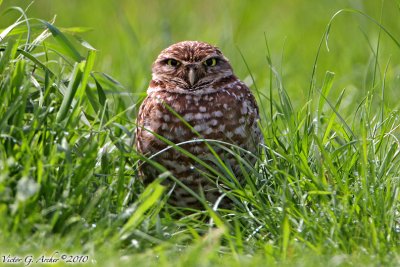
column 193, row 96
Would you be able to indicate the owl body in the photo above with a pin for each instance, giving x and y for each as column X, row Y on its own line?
column 208, row 97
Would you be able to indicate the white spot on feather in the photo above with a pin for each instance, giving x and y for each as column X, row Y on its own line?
column 159, row 114
column 240, row 131
column 243, row 110
column 200, row 127
column 208, row 131
column 188, row 116
column 213, row 122
column 217, row 113
column 164, row 126
column 198, row 116
column 166, row 117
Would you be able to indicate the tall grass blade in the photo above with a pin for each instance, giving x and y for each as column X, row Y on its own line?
column 75, row 80
column 8, row 54
column 147, row 199
column 63, row 41
column 326, row 87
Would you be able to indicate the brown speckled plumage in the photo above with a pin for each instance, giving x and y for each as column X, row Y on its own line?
column 208, row 96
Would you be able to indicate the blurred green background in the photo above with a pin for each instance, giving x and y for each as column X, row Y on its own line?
column 130, row 34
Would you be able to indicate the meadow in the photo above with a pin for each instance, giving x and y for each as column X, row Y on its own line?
column 325, row 191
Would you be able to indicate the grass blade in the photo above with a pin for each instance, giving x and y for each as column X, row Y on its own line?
column 63, row 41
column 75, row 80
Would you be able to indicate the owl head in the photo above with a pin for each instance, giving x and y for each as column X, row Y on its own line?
column 190, row 67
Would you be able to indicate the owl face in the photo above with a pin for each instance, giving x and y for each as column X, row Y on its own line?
column 190, row 67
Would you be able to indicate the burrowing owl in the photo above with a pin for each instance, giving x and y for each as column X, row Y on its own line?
column 196, row 81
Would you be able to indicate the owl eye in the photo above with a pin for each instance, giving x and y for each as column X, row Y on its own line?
column 172, row 62
column 211, row 62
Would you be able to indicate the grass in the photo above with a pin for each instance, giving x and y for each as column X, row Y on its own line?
column 324, row 192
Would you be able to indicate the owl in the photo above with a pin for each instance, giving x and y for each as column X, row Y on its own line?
column 193, row 97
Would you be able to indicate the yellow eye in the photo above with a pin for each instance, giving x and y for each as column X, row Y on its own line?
column 211, row 62
column 173, row 62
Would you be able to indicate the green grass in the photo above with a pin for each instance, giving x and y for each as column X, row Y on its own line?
column 324, row 192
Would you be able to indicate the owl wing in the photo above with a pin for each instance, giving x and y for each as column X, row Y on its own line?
column 251, row 112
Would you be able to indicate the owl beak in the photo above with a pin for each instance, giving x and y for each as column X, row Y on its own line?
column 192, row 77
